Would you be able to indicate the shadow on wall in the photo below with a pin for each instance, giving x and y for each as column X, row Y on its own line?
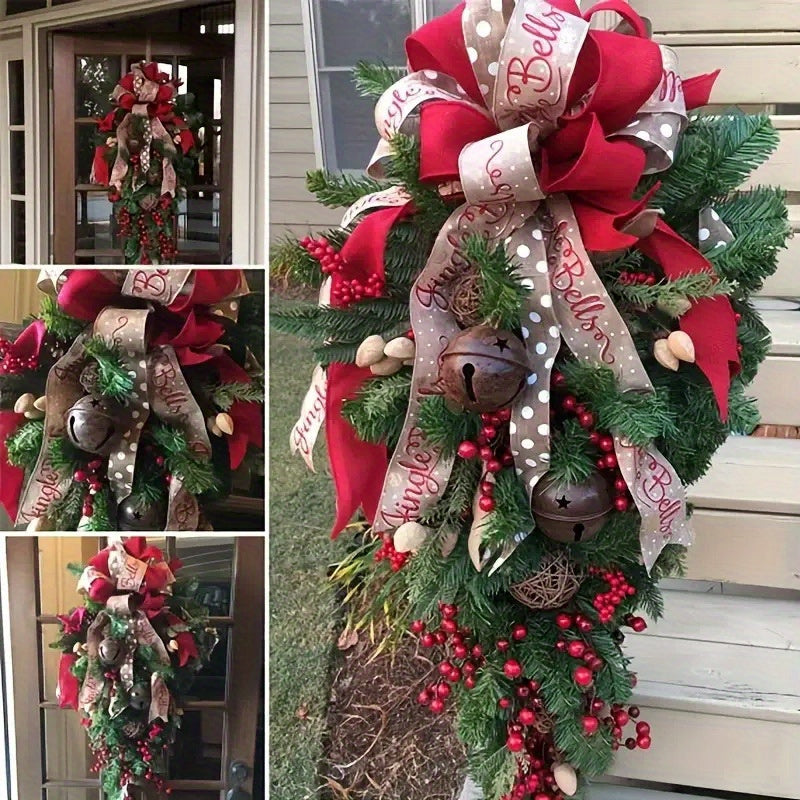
column 5, row 522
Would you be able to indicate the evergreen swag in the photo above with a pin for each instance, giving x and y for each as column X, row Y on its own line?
column 486, row 640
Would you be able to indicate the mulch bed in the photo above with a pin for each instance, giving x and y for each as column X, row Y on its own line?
column 382, row 745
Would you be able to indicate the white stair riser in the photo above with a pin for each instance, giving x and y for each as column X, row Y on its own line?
column 723, row 753
column 775, row 389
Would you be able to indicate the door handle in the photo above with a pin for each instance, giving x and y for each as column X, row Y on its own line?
column 238, row 773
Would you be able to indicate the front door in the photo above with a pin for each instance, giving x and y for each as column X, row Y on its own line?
column 223, row 711
column 85, row 70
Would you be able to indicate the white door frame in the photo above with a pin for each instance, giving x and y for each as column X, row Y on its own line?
column 249, row 135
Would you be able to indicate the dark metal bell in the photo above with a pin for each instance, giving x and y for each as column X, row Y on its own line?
column 139, row 697
column 91, row 424
column 483, row 368
column 572, row 512
column 110, row 651
column 133, row 516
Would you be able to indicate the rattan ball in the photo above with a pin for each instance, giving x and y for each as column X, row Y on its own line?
column 466, row 299
column 554, row 585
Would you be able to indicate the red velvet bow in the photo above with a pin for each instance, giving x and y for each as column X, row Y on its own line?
column 598, row 175
column 73, row 622
column 187, row 646
column 191, row 337
column 248, row 428
column 11, row 477
column 23, row 353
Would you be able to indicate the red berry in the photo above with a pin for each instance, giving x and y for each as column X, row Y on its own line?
column 630, row 743
column 417, row 626
column 563, row 621
column 515, row 742
column 621, row 503
column 503, row 645
column 449, row 611
column 443, row 691
column 586, row 420
column 489, row 432
column 610, row 460
column 634, row 711
column 477, row 651
column 468, row 449
column 569, row 402
column 638, row 624
column 79, row 476
column 459, row 651
column 621, row 718
column 504, row 702
column 449, row 625
column 644, row 742
column 444, row 668
column 642, row 728
column 486, row 503
column 437, row 706
column 590, row 724
column 424, row 697
column 493, row 465
column 526, row 717
column 582, row 676
column 620, row 485
column 487, row 488
column 576, row 648
column 454, row 675
column 519, row 632
column 606, row 444
column 512, row 669
column 469, row 682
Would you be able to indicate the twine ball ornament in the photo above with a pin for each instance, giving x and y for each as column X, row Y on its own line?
column 572, row 512
column 465, row 299
column 91, row 424
column 552, row 586
column 134, row 516
column 139, row 697
column 483, row 368
column 110, row 652
column 134, row 729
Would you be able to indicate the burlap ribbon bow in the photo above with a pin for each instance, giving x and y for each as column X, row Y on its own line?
column 132, row 593
column 556, row 119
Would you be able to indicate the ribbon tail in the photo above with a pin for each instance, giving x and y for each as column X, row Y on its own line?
column 357, row 467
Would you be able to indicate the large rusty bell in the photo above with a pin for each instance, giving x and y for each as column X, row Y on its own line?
column 572, row 512
column 483, row 368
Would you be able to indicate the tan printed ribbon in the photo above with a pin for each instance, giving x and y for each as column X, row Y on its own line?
column 48, row 484
column 124, row 329
column 523, row 59
column 173, row 403
column 312, row 414
column 156, row 285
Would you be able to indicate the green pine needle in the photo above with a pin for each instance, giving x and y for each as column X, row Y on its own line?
column 25, row 443
column 340, row 190
column 378, row 411
column 59, row 323
column 445, row 428
column 571, row 454
column 372, row 80
column 114, row 380
column 197, row 475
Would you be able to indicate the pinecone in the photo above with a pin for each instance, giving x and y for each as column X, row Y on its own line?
column 134, row 729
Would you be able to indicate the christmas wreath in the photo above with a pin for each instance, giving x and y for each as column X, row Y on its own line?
column 131, row 400
column 128, row 656
column 146, row 155
column 534, row 329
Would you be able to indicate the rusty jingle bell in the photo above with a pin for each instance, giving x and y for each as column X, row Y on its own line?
column 483, row 368
column 110, row 652
column 571, row 512
column 91, row 424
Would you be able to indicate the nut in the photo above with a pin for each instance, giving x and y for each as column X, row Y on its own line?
column 370, row 351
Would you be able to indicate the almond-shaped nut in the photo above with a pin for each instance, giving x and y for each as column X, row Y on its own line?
column 386, row 366
column 401, row 347
column 566, row 779
column 410, row 536
column 211, row 424
column 665, row 356
column 681, row 345
column 24, row 403
column 34, row 413
column 40, row 403
column 224, row 423
column 173, row 645
column 38, row 524
column 370, row 351
column 408, row 362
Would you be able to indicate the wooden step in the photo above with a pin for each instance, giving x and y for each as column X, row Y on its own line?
column 608, row 791
column 718, row 682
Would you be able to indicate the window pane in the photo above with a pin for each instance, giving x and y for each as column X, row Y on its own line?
column 95, row 227
column 197, row 752
column 16, row 93
column 68, row 756
column 63, row 793
column 17, row 232
column 198, row 222
column 351, row 30
column 84, row 152
column 21, row 6
column 95, row 79
column 436, row 8
column 17, row 139
column 350, row 133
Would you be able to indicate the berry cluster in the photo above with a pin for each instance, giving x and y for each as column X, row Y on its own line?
column 606, row 603
column 602, row 440
column 347, row 291
column 93, row 477
column 491, row 445
column 461, row 657
column 13, row 365
column 534, row 777
column 629, row 278
column 615, row 720
column 387, row 552
column 322, row 250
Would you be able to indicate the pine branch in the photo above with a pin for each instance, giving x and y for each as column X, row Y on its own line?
column 197, row 475
column 457, row 497
column 571, row 454
column 340, row 190
column 372, row 80
column 58, row 322
column 224, row 395
column 65, row 514
column 512, row 513
column 100, row 521
column 64, row 456
column 25, row 443
column 113, row 378
column 378, row 410
column 502, row 293
column 670, row 296
column 445, row 428
column 293, row 265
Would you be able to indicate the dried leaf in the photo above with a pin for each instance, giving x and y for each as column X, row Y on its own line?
column 347, row 639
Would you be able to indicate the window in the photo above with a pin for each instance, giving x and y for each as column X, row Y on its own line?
column 12, row 154
column 346, row 32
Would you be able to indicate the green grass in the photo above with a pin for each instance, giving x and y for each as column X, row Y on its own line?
column 303, row 609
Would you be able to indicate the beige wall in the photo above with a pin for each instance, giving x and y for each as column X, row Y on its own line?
column 18, row 294
column 292, row 208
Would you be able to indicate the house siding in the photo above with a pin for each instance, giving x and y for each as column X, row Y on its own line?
column 292, row 209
